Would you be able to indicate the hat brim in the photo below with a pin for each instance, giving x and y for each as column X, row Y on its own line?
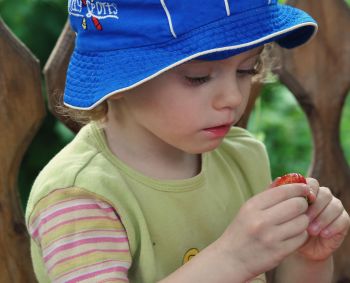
column 92, row 77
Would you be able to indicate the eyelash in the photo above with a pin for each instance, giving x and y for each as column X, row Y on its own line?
column 249, row 72
column 198, row 80
column 202, row 80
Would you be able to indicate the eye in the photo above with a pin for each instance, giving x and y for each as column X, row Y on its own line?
column 247, row 72
column 197, row 80
column 254, row 70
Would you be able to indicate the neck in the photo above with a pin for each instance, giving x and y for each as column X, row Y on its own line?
column 147, row 154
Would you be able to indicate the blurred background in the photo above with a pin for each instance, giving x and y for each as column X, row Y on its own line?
column 277, row 119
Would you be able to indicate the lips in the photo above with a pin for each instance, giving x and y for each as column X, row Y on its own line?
column 219, row 131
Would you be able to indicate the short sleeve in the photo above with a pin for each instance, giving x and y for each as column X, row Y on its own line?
column 81, row 238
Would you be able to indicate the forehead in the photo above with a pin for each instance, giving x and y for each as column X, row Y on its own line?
column 236, row 58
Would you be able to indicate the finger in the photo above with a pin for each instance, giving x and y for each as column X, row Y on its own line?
column 276, row 195
column 331, row 212
column 287, row 210
column 314, row 186
column 339, row 226
column 293, row 228
column 324, row 197
column 274, row 182
column 294, row 243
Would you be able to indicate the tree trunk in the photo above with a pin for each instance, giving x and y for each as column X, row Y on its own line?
column 21, row 112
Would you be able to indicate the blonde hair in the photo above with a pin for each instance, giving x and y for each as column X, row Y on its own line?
column 82, row 117
column 267, row 62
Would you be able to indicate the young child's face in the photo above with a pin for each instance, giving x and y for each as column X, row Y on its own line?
column 191, row 107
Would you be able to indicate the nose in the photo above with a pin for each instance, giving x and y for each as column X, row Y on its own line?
column 228, row 95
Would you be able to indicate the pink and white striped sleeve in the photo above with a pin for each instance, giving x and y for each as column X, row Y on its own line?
column 82, row 238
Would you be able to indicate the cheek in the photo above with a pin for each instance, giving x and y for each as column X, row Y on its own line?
column 168, row 107
column 180, row 119
column 245, row 89
column 178, row 114
column 245, row 86
column 163, row 112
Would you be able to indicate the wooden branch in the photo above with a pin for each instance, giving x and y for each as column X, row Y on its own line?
column 22, row 109
column 318, row 75
column 55, row 75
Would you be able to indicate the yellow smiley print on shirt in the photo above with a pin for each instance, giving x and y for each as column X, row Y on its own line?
column 189, row 255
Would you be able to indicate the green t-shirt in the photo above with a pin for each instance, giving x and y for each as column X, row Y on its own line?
column 167, row 221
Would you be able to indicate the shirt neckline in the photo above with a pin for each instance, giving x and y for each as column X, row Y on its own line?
column 178, row 185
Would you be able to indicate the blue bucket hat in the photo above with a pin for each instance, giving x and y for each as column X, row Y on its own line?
column 123, row 43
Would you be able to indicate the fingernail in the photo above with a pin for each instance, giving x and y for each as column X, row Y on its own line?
column 311, row 197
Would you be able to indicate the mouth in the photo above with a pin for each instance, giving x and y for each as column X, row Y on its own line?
column 219, row 131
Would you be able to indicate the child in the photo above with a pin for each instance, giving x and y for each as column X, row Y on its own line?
column 160, row 186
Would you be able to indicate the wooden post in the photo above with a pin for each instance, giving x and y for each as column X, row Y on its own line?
column 55, row 74
column 318, row 75
column 21, row 112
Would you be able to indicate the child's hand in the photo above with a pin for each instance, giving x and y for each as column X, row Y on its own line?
column 329, row 224
column 269, row 227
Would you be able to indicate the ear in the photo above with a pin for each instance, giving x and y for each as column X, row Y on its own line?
column 117, row 96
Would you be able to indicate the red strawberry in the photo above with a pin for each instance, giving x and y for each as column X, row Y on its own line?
column 292, row 178
column 289, row 179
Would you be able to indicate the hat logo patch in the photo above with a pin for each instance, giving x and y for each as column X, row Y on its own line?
column 96, row 10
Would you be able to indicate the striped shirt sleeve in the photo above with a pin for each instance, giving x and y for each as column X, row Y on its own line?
column 81, row 237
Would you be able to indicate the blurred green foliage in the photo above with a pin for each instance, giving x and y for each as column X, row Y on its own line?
column 36, row 22
column 277, row 118
column 345, row 129
column 280, row 123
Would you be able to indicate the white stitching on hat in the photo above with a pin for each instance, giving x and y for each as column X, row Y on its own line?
column 227, row 5
column 169, row 18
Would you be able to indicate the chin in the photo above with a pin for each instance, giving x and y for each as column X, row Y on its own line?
column 205, row 148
